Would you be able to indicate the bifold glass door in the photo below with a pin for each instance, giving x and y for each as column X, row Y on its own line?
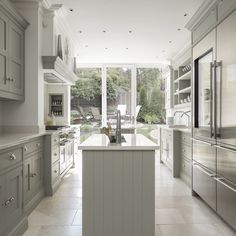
column 118, row 94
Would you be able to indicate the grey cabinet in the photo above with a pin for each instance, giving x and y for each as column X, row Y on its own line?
column 225, row 7
column 52, row 163
column 11, row 55
column 11, row 199
column 33, row 178
column 2, row 197
column 185, row 157
column 205, row 25
column 169, row 149
column 3, row 53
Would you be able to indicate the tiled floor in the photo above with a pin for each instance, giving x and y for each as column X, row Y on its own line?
column 177, row 212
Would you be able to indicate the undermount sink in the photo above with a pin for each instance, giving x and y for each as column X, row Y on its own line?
column 122, row 140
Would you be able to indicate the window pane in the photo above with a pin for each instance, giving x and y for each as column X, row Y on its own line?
column 86, row 101
column 119, row 94
column 150, row 100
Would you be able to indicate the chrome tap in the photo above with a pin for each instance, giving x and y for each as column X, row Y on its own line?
column 188, row 116
column 118, row 127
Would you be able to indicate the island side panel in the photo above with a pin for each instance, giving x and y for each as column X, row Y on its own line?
column 121, row 185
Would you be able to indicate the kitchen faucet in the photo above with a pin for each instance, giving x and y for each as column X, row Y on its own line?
column 118, row 127
column 188, row 116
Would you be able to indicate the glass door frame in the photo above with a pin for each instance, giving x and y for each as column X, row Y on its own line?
column 133, row 67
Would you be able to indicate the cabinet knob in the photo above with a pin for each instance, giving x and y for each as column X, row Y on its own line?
column 12, row 157
column 33, row 175
column 25, row 148
column 11, row 199
column 6, row 203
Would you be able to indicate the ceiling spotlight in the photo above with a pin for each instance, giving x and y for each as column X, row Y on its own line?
column 127, row 48
column 185, row 14
column 130, row 31
column 80, row 31
column 71, row 9
column 178, row 29
column 170, row 41
column 104, row 31
column 106, row 48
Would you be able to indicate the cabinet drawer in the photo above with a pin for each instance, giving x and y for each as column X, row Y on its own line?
column 185, row 167
column 55, row 139
column 33, row 146
column 204, row 26
column 205, row 154
column 10, row 158
column 185, row 138
column 186, row 151
column 226, row 198
column 55, row 154
column 55, row 171
column 204, row 185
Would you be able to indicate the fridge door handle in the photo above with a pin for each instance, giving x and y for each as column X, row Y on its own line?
column 212, row 68
column 223, row 181
column 210, row 174
column 218, row 98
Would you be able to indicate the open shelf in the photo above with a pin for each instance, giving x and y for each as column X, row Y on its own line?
column 186, row 76
column 185, row 90
column 182, row 85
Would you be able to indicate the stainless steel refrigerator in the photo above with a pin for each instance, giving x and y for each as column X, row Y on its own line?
column 214, row 119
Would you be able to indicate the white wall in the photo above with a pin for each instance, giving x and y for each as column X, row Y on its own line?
column 29, row 115
column 58, row 89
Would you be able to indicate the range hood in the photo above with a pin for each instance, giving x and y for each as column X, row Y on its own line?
column 55, row 71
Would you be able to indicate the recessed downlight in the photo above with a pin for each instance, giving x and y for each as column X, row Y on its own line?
column 104, row 31
column 80, row 31
column 178, row 29
column 127, row 48
column 170, row 41
column 71, row 9
column 185, row 14
column 106, row 48
column 130, row 31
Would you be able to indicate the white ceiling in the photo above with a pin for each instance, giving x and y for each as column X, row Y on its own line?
column 153, row 23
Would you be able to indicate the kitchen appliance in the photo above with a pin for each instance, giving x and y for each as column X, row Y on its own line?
column 214, row 120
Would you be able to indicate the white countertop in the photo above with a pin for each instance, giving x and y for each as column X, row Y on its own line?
column 8, row 140
column 133, row 142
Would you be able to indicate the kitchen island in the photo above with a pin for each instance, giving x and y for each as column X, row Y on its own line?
column 118, row 186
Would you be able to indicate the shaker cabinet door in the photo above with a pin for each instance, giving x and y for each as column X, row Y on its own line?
column 14, row 195
column 3, row 53
column 2, row 204
column 16, row 59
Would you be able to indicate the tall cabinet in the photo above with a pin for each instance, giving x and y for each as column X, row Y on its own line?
column 12, row 27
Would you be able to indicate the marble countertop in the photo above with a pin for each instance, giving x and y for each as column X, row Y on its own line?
column 133, row 142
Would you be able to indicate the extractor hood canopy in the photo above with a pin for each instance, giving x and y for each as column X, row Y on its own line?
column 55, row 71
column 58, row 51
